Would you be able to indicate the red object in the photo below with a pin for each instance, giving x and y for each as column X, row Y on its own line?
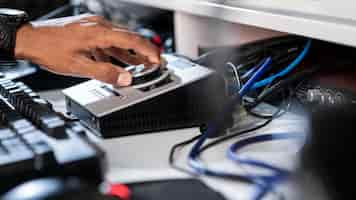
column 121, row 191
column 157, row 40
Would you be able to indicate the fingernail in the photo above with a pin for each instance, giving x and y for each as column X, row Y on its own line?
column 124, row 79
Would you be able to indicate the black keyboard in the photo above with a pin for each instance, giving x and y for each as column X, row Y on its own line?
column 36, row 141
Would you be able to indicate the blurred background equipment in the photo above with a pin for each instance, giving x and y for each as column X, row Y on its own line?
column 34, row 8
column 154, row 24
column 327, row 155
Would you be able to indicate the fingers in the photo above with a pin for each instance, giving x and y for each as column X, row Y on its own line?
column 100, row 56
column 127, row 56
column 100, row 40
column 106, row 38
column 101, row 71
column 135, row 42
column 107, row 35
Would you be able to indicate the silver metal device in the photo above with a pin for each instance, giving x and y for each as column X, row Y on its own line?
column 94, row 100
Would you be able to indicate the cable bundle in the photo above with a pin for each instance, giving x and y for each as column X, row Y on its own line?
column 264, row 183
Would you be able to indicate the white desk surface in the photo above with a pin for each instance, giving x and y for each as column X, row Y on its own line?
column 145, row 157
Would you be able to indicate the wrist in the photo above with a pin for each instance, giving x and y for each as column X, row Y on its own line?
column 23, row 36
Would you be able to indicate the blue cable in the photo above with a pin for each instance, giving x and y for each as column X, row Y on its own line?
column 212, row 127
column 285, row 71
column 256, row 76
column 232, row 151
column 279, row 173
column 249, row 72
column 264, row 189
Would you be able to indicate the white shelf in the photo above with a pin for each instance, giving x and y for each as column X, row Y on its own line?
column 333, row 21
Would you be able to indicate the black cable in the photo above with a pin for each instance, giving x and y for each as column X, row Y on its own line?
column 239, row 133
column 173, row 151
column 228, row 137
column 216, row 142
column 204, row 148
column 250, row 111
column 184, row 143
column 258, row 115
column 278, row 87
column 230, row 177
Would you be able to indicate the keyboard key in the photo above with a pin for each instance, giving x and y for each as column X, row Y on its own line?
column 39, row 112
column 17, row 160
column 10, row 87
column 33, row 137
column 7, row 114
column 6, row 134
column 45, row 157
column 25, row 130
column 21, row 84
column 28, row 91
column 54, row 126
column 13, row 143
column 5, row 84
column 33, row 95
column 41, row 148
column 17, row 148
column 3, row 151
column 21, row 124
